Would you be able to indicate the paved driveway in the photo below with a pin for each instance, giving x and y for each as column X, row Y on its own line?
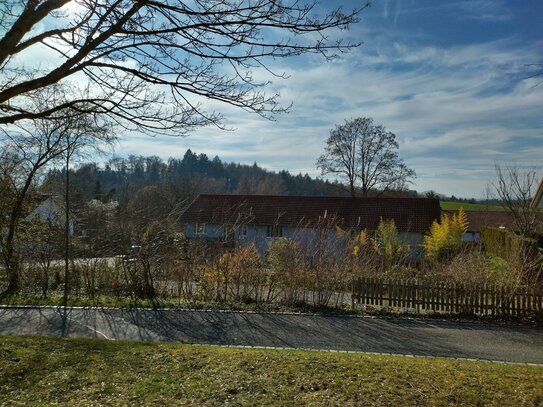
column 403, row 336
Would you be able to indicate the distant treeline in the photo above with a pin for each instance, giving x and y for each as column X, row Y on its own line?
column 186, row 177
column 182, row 179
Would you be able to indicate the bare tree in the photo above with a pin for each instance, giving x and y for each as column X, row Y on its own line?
column 81, row 134
column 515, row 187
column 148, row 205
column 27, row 149
column 366, row 156
column 340, row 153
column 149, row 64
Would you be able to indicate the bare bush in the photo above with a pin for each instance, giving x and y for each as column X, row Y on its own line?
column 287, row 278
column 325, row 258
column 247, row 275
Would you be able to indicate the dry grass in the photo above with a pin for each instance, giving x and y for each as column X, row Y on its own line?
column 94, row 372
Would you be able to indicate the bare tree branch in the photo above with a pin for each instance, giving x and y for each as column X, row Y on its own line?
column 27, row 149
column 151, row 63
column 515, row 188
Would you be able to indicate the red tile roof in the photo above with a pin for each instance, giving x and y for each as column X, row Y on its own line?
column 409, row 214
column 479, row 219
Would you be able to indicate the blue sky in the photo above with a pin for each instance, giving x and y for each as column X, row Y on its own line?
column 449, row 78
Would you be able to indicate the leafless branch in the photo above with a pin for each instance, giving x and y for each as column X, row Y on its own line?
column 151, row 63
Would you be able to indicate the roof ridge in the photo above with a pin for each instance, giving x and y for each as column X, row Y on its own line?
column 321, row 197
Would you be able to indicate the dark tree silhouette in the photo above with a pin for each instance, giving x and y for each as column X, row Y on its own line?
column 366, row 156
column 148, row 65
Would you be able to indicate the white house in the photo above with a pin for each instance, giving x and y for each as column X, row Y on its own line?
column 242, row 219
column 50, row 209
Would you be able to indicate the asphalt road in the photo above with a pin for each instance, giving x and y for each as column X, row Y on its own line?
column 397, row 336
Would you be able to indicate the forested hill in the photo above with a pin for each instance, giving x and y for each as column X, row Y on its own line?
column 117, row 202
column 182, row 179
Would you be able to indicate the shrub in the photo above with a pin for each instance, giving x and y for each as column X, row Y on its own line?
column 287, row 270
column 467, row 267
column 387, row 243
column 519, row 253
column 382, row 251
column 246, row 274
column 445, row 238
column 500, row 272
column 471, row 266
column 160, row 248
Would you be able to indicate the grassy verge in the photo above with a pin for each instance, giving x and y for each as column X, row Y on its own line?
column 125, row 302
column 98, row 301
column 94, row 372
column 454, row 206
column 535, row 320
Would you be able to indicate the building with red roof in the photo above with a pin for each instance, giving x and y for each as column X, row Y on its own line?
column 261, row 218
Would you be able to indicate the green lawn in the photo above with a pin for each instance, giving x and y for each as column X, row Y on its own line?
column 95, row 372
column 454, row 206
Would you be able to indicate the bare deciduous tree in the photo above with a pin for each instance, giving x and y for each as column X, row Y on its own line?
column 27, row 149
column 515, row 187
column 366, row 156
column 148, row 205
column 149, row 64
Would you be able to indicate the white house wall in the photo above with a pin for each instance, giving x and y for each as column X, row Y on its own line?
column 49, row 211
column 306, row 237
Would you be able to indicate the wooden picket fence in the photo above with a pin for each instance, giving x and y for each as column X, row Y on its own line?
column 432, row 297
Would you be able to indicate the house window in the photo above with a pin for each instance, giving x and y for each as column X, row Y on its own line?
column 243, row 231
column 201, row 228
column 274, row 231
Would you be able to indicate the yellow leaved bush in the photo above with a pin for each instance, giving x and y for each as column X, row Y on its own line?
column 445, row 237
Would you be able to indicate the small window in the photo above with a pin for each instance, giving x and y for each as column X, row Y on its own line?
column 274, row 231
column 201, row 228
column 243, row 231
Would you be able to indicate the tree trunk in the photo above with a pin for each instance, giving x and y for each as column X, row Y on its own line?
column 13, row 278
column 67, row 227
column 11, row 263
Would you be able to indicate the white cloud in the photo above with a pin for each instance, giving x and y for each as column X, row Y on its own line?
column 455, row 111
column 486, row 10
